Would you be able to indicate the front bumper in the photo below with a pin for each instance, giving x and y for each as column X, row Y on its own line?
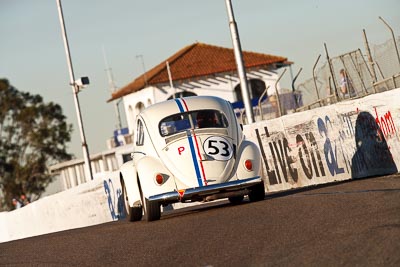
column 197, row 193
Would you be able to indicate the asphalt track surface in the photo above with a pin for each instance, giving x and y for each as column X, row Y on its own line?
column 354, row 223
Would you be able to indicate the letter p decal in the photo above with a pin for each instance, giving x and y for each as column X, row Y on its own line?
column 181, row 149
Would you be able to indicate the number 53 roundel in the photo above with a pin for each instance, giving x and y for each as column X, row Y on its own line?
column 218, row 148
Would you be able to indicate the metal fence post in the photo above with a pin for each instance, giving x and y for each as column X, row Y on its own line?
column 277, row 94
column 315, row 80
column 332, row 74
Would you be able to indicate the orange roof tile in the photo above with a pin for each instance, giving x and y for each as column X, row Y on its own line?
column 197, row 60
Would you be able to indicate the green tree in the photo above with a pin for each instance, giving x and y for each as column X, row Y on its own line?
column 33, row 135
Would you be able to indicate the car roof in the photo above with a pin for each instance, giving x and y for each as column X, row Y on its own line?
column 158, row 111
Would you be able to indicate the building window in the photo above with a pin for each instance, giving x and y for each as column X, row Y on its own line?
column 256, row 88
column 139, row 133
column 181, row 95
column 139, row 107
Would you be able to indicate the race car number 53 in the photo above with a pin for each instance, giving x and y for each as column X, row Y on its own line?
column 218, row 148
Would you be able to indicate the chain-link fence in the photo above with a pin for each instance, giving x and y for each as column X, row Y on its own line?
column 355, row 73
column 347, row 76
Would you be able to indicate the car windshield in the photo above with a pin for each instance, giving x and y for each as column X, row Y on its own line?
column 180, row 122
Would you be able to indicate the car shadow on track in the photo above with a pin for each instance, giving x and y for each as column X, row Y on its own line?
column 203, row 207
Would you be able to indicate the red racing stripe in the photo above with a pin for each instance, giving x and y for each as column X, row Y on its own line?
column 198, row 149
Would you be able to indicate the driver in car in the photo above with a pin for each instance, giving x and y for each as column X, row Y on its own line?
column 206, row 119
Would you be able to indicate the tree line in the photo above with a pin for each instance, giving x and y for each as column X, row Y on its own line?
column 33, row 136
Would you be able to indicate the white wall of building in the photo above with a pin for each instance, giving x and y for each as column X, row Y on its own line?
column 134, row 102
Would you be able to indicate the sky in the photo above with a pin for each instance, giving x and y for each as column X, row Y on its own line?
column 32, row 55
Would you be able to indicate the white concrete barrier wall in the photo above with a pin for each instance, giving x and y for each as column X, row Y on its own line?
column 95, row 202
column 352, row 139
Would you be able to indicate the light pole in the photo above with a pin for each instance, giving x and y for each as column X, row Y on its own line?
column 76, row 86
column 144, row 69
column 239, row 62
column 113, row 88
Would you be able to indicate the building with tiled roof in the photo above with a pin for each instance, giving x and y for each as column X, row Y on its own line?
column 196, row 61
column 200, row 69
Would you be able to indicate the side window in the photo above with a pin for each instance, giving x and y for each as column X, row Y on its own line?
column 126, row 157
column 139, row 133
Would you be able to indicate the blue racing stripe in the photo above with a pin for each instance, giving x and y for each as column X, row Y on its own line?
column 179, row 105
column 196, row 166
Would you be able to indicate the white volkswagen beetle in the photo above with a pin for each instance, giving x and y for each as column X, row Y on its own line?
column 185, row 150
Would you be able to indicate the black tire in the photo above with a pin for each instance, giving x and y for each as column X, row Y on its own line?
column 236, row 199
column 257, row 192
column 132, row 214
column 152, row 211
